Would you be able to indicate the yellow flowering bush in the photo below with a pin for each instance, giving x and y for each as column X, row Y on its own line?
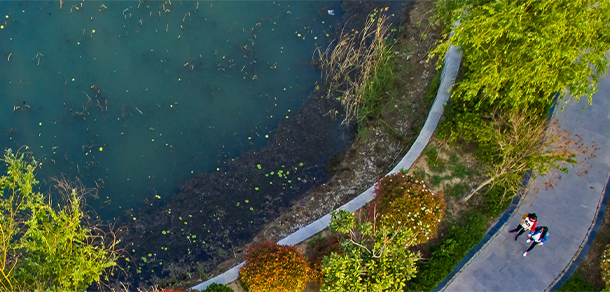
column 604, row 266
column 402, row 200
column 274, row 268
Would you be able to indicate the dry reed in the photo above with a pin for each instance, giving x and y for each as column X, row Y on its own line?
column 349, row 66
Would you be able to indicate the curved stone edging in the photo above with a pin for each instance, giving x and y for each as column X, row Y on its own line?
column 453, row 59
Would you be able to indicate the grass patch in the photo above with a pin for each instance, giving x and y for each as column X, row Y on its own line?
column 457, row 190
column 419, row 174
column 461, row 171
column 435, row 163
column 435, row 180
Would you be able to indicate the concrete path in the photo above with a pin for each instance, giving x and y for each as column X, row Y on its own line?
column 452, row 62
column 570, row 211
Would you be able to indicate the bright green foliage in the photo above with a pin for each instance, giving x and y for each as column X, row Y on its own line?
column 517, row 53
column 402, row 200
column 271, row 267
column 45, row 248
column 373, row 258
column 218, row 288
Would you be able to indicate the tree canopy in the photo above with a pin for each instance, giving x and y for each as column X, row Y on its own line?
column 517, row 53
column 43, row 248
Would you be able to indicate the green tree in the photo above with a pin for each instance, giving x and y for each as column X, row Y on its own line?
column 44, row 248
column 514, row 142
column 373, row 258
column 517, row 53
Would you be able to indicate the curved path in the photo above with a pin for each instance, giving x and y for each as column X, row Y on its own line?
column 448, row 75
column 570, row 210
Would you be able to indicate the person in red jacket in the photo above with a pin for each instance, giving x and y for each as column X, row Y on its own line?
column 528, row 222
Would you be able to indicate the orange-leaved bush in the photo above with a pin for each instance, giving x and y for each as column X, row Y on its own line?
column 270, row 267
column 402, row 200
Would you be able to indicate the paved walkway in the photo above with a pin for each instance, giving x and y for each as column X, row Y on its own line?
column 570, row 211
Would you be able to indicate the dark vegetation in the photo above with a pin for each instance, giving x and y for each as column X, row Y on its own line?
column 578, row 283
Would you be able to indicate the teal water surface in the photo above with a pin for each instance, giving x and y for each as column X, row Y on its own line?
column 135, row 98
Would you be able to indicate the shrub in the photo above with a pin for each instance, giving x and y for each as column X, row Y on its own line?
column 604, row 266
column 271, row 267
column 435, row 163
column 459, row 240
column 46, row 246
column 577, row 283
column 320, row 250
column 218, row 288
column 457, row 190
column 403, row 200
column 373, row 258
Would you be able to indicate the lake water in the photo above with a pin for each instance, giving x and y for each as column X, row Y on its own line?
column 135, row 98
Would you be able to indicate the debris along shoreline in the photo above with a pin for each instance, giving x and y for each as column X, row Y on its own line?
column 449, row 73
column 217, row 213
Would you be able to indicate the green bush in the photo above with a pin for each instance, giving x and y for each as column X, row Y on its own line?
column 459, row 240
column 461, row 171
column 577, row 283
column 372, row 258
column 457, row 190
column 435, row 163
column 435, row 180
column 271, row 267
column 419, row 174
column 218, row 288
column 435, row 83
column 405, row 201
column 42, row 247
column 496, row 200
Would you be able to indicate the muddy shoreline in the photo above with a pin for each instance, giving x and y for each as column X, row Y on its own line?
column 384, row 143
column 269, row 193
column 216, row 213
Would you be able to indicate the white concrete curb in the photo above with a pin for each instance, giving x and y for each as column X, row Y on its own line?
column 453, row 59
